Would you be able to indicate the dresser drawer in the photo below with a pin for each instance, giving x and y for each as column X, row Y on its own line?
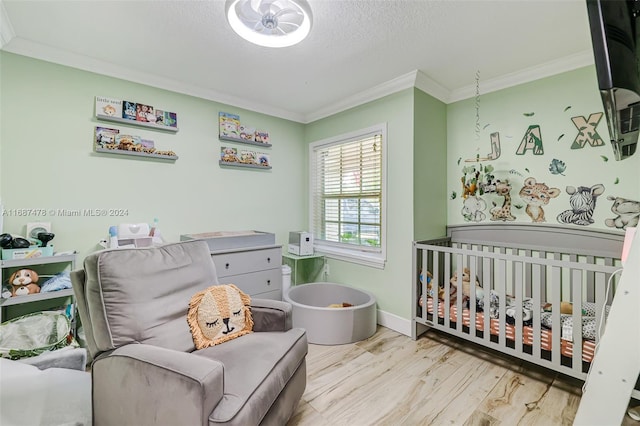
column 247, row 261
column 256, row 282
column 273, row 295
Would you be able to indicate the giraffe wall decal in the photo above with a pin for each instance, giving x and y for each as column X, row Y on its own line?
column 503, row 213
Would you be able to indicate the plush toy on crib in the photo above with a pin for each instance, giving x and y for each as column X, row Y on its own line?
column 566, row 308
column 24, row 281
column 466, row 284
column 429, row 277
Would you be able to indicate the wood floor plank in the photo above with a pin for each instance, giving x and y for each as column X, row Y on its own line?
column 390, row 379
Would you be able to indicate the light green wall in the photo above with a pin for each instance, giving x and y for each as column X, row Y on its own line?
column 392, row 285
column 429, row 167
column 553, row 102
column 48, row 161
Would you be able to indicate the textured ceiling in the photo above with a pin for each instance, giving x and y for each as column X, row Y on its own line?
column 354, row 45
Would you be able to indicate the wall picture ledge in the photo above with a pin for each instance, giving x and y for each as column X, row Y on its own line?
column 135, row 114
column 160, row 156
column 233, row 157
column 111, row 141
column 232, row 130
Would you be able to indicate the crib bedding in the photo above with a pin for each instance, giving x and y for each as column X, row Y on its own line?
column 589, row 323
column 566, row 346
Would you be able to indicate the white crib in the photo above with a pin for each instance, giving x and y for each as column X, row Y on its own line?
column 525, row 266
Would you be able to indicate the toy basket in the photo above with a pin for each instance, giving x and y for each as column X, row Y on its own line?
column 33, row 334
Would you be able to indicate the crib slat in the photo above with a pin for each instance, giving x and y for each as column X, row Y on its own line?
column 502, row 314
column 590, row 297
column 447, row 287
column 518, row 270
column 576, row 285
column 459, row 268
column 536, row 278
column 556, row 274
column 423, row 284
column 473, row 270
column 601, row 301
column 486, row 290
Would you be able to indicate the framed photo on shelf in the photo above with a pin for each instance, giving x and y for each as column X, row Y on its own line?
column 263, row 159
column 106, row 136
column 262, row 136
column 229, row 155
column 229, row 125
column 248, row 157
column 108, row 107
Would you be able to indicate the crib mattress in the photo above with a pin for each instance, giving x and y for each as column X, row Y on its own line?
column 566, row 346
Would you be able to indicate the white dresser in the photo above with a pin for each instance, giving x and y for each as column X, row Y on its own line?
column 255, row 270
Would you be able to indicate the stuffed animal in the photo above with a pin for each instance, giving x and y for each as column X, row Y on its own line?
column 466, row 284
column 24, row 281
column 340, row 305
column 566, row 308
column 441, row 292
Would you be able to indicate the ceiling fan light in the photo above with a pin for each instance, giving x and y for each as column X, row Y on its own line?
column 270, row 23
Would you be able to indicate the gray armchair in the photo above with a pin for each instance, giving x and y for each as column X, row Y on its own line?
column 133, row 305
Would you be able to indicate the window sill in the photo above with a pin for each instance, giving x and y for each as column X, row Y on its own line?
column 373, row 260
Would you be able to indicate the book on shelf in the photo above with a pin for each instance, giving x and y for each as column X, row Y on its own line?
column 159, row 116
column 263, row 159
column 144, row 113
column 170, row 119
column 105, row 136
column 129, row 110
column 109, row 107
column 229, row 125
column 147, row 143
column 229, row 155
column 262, row 136
column 247, row 133
column 248, row 157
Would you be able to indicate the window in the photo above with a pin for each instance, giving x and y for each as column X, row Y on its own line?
column 347, row 177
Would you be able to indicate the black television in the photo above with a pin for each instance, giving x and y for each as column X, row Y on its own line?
column 615, row 35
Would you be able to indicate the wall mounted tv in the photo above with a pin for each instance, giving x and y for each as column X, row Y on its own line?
column 615, row 35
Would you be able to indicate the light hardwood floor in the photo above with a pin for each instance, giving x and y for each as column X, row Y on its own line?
column 390, row 379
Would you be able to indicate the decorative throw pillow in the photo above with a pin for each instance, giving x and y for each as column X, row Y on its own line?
column 218, row 314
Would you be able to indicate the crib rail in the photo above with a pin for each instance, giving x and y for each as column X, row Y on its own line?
column 508, row 277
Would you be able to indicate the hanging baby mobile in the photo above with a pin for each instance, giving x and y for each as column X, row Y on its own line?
column 477, row 179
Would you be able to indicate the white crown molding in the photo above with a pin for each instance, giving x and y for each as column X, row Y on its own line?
column 431, row 87
column 418, row 79
column 46, row 53
column 405, row 81
column 547, row 69
column 6, row 29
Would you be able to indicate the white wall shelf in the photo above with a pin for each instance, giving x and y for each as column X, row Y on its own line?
column 153, row 126
column 250, row 166
column 136, row 154
column 243, row 141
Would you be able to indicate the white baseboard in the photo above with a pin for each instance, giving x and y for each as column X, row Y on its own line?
column 394, row 322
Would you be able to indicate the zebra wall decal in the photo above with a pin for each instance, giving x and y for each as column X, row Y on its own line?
column 583, row 204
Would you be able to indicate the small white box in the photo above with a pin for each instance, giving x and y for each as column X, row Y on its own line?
column 300, row 243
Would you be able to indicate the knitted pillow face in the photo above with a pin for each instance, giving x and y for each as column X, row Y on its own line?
column 218, row 314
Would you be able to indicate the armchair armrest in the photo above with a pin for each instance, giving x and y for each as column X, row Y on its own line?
column 271, row 315
column 140, row 381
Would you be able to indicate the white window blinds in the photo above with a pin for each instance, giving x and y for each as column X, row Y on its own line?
column 347, row 192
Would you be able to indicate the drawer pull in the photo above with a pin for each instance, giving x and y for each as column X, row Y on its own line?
column 226, row 266
column 268, row 260
column 268, row 282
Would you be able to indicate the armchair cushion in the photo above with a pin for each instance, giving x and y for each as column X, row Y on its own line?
column 218, row 314
column 142, row 295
